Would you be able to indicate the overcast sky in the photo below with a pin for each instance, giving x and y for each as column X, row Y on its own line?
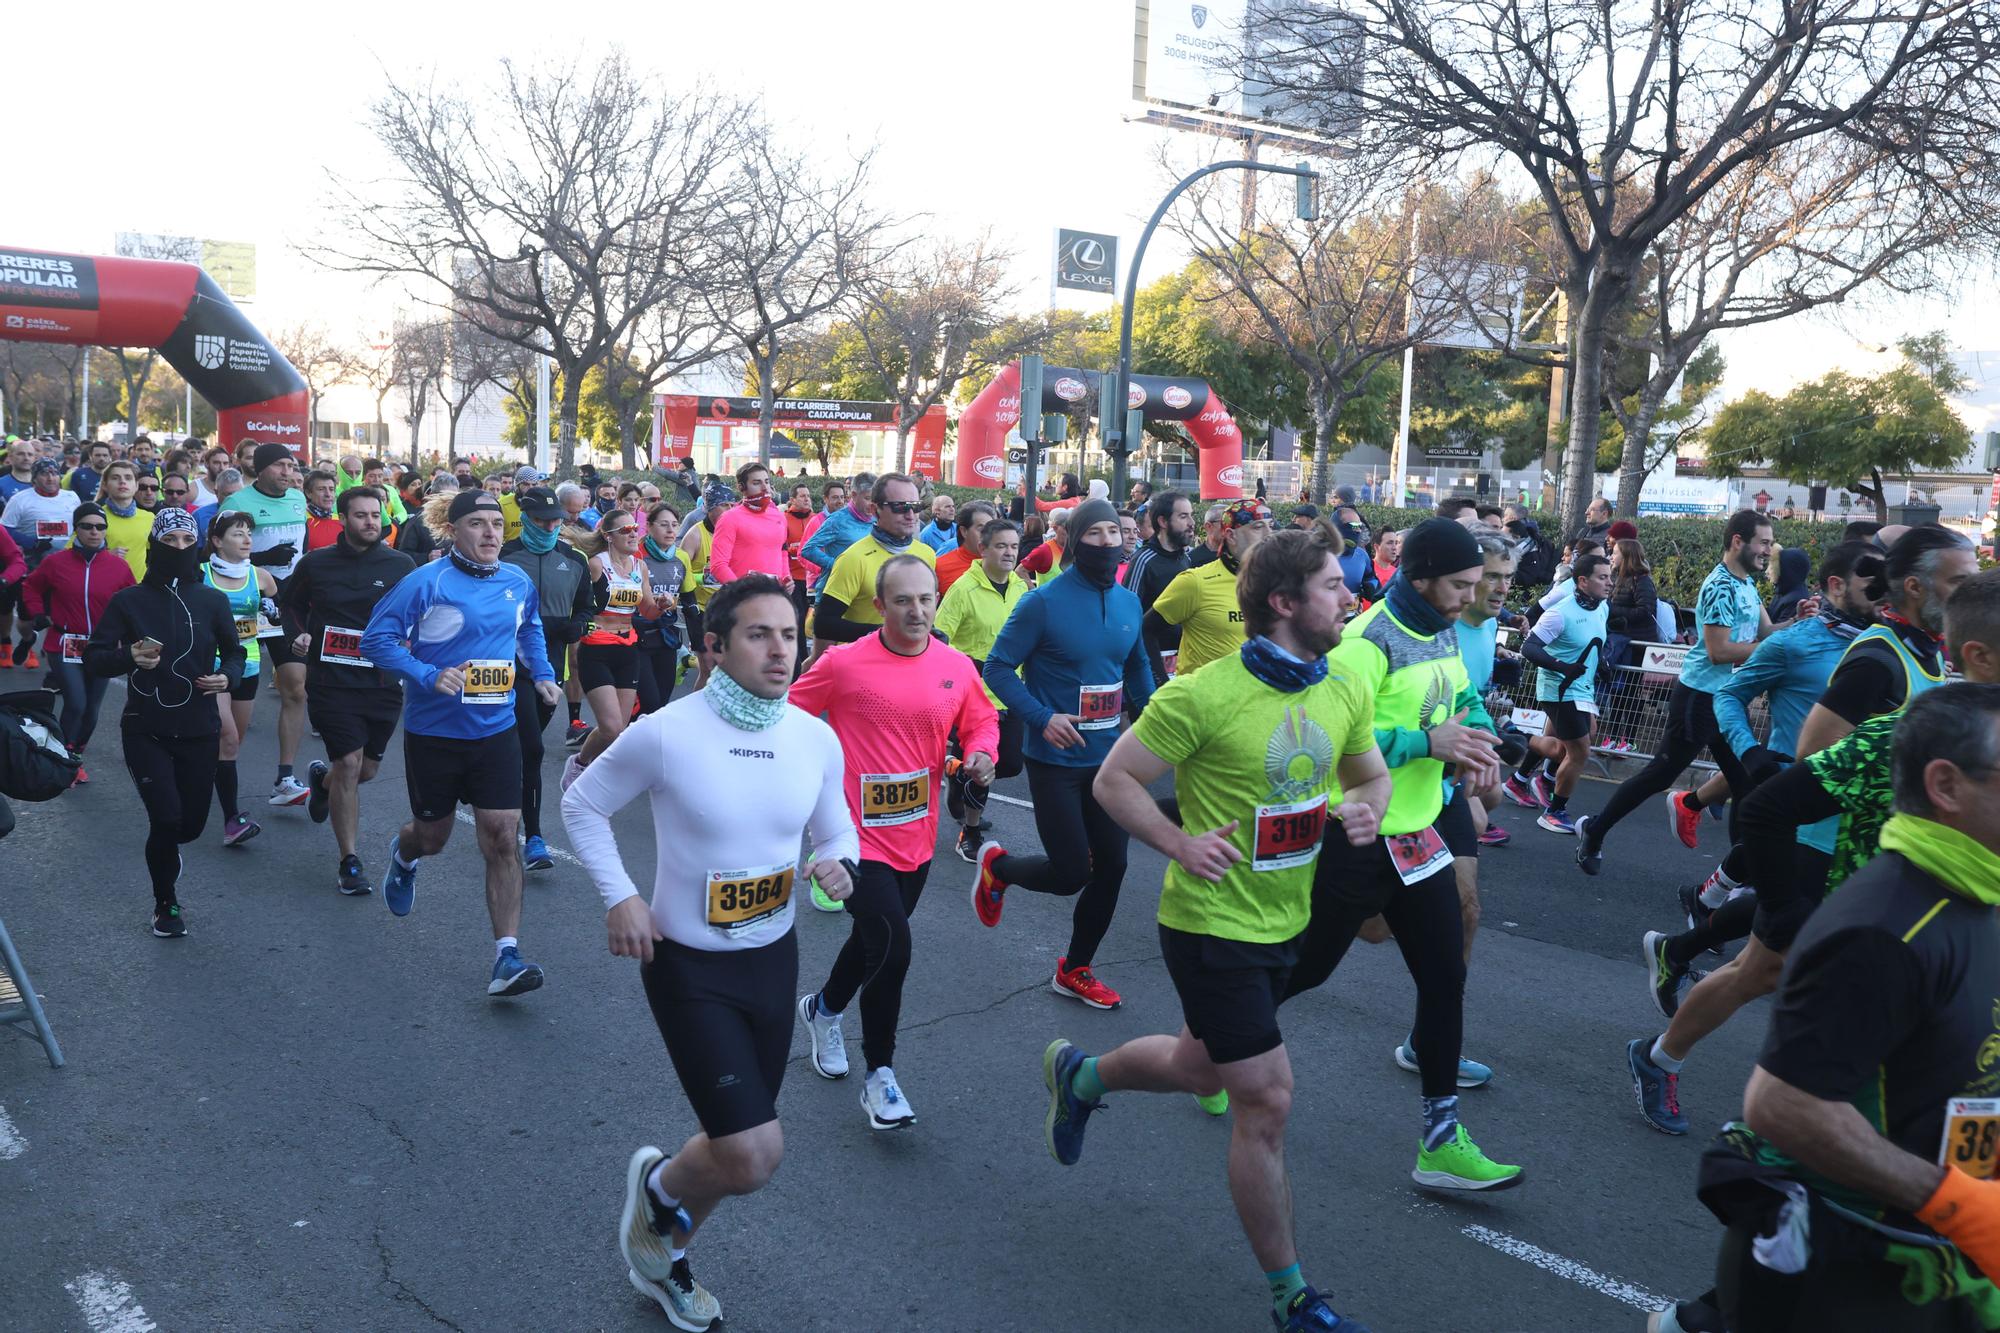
column 222, row 120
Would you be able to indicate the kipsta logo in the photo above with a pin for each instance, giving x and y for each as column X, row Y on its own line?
column 208, row 350
column 1200, row 15
column 1088, row 252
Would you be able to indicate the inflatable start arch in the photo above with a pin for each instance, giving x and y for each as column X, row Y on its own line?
column 177, row 308
column 982, row 429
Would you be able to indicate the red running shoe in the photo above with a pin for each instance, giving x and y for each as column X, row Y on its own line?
column 989, row 892
column 1495, row 836
column 81, row 777
column 1080, row 984
column 1685, row 820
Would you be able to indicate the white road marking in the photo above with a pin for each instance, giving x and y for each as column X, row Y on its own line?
column 108, row 1305
column 12, row 1145
column 568, row 858
column 1011, row 800
column 1636, row 1297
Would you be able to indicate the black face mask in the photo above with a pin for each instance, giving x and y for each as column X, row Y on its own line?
column 1097, row 565
column 166, row 564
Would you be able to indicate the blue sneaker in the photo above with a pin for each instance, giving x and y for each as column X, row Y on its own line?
column 1068, row 1113
column 1557, row 821
column 535, row 855
column 399, row 886
column 511, row 976
column 1657, row 1091
column 1309, row 1313
column 1471, row 1074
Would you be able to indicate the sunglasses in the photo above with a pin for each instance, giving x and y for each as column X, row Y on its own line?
column 901, row 506
column 149, row 485
column 621, row 529
column 93, row 527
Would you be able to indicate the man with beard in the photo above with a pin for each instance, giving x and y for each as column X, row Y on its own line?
column 846, row 607
column 1201, row 601
column 1154, row 565
column 275, row 502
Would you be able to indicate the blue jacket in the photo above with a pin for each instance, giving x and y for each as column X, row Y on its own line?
column 841, row 530
column 442, row 617
column 940, row 537
column 1791, row 668
column 1065, row 636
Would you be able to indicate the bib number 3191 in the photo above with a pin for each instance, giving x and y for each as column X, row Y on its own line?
column 1288, row 835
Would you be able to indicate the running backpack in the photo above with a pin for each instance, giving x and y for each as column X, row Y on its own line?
column 35, row 762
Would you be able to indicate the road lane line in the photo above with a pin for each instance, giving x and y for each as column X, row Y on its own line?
column 558, row 853
column 1636, row 1297
column 12, row 1145
column 108, row 1305
column 1011, row 800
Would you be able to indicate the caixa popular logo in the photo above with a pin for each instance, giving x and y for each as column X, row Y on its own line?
column 1135, row 395
column 992, row 467
column 1069, row 388
column 1231, row 475
column 209, row 349
column 1176, row 397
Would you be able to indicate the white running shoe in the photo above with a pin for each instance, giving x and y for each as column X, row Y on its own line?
column 829, row 1049
column 642, row 1229
column 572, row 770
column 884, row 1102
column 688, row 1304
column 290, row 791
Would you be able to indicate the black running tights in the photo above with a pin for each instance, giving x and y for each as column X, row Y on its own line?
column 1083, row 854
column 173, row 775
column 876, row 957
column 531, row 719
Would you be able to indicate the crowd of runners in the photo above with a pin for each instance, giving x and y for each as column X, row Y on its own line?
column 1306, row 721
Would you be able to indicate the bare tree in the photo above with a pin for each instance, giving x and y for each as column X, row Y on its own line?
column 1626, row 115
column 933, row 317
column 135, row 370
column 553, row 212
column 791, row 246
column 473, row 359
column 374, row 365
column 672, row 338
column 420, row 360
column 319, row 358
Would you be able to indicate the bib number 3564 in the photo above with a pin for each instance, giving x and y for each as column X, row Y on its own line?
column 740, row 899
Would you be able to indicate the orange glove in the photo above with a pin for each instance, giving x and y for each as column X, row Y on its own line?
column 1966, row 1212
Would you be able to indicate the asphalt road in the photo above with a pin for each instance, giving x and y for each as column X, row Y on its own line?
column 308, row 1114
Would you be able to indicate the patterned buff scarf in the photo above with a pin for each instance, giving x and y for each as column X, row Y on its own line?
column 739, row 707
column 1279, row 669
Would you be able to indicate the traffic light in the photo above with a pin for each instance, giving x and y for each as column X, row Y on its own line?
column 1031, row 399
column 1993, row 451
column 1308, row 194
column 1110, row 412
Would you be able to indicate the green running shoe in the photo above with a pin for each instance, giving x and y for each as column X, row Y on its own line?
column 824, row 903
column 1216, row 1105
column 1457, row 1164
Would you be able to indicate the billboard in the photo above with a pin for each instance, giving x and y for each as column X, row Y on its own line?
column 1243, row 58
column 1087, row 261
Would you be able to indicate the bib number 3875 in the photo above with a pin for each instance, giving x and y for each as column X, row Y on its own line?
column 740, row 899
column 889, row 799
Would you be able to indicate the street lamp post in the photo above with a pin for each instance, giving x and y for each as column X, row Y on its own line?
column 1114, row 427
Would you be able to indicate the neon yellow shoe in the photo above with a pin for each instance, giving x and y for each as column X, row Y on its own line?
column 822, row 902
column 1216, row 1105
column 1457, row 1164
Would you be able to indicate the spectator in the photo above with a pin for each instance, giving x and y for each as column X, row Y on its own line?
column 1305, row 515
column 1596, row 520
column 1388, row 554
column 1794, row 580
column 1044, row 557
column 941, row 533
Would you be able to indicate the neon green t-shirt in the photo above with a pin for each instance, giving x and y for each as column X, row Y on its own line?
column 1269, row 760
column 1417, row 681
column 1202, row 601
column 853, row 578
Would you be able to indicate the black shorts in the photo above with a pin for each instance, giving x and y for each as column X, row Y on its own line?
column 1782, row 911
column 726, row 1015
column 607, row 665
column 1567, row 722
column 445, row 772
column 1229, row 991
column 695, row 618
column 1455, row 825
column 348, row 719
column 10, row 598
column 278, row 652
column 244, row 690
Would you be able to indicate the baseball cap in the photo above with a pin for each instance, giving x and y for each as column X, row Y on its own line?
column 538, row 502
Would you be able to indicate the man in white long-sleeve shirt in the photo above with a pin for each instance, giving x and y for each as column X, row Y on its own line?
column 734, row 773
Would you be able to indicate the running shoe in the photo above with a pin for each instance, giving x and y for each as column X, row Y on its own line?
column 1309, row 1313
column 1520, row 791
column 572, row 770
column 316, row 803
column 1589, row 852
column 579, row 732
column 884, row 1101
column 513, row 976
column 968, row 845
column 33, row 663
column 399, row 886
column 829, row 1048
column 645, row 1227
column 81, row 777
column 1068, row 1114
column 288, row 790
column 686, row 1301
column 535, row 854
column 823, row 903
column 1557, row 821
column 1471, row 1074
column 1216, row 1105
column 6, row 654
column 1657, row 1092
column 237, row 831
column 1685, row 822
column 1545, row 788
column 989, row 893
column 1618, row 745
column 1495, row 836
column 1079, row 983
column 1691, row 905
column 1457, row 1164
column 168, row 923
column 1719, row 811
column 353, row 880
column 1664, row 978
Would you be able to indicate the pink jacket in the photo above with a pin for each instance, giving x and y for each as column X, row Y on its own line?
column 748, row 542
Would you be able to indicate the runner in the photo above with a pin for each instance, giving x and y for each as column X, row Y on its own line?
column 1263, row 746
column 1479, row 648
column 131, row 527
column 607, row 656
column 893, row 698
column 697, row 540
column 1567, row 648
column 846, row 608
column 67, row 595
column 1731, row 620
column 177, row 639
column 750, row 537
column 1201, row 601
column 454, row 630
column 228, row 570
column 278, row 540
column 661, row 645
column 1069, row 664
column 353, row 705
column 971, row 520
column 1159, row 559
column 323, row 522
column 716, row 947
column 970, row 618
column 841, row 528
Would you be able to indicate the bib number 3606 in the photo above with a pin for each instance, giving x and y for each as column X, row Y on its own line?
column 489, row 682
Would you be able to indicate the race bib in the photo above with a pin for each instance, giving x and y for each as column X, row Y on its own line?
column 54, row 529
column 489, row 682
column 342, row 647
column 1971, row 1135
column 624, row 596
column 1417, row 856
column 1170, row 660
column 889, row 799
column 246, row 628
column 1099, row 706
column 739, row 899
column 72, row 647
column 266, row 629
column 1288, row 835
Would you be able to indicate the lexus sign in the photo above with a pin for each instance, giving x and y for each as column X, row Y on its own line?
column 1086, row 261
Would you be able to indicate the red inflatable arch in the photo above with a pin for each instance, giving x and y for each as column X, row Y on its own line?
column 982, row 429
column 177, row 308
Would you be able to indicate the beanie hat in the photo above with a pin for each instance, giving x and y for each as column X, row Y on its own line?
column 1439, row 546
column 268, row 453
column 1623, row 530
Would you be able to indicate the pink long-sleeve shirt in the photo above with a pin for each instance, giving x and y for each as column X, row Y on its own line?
column 749, row 542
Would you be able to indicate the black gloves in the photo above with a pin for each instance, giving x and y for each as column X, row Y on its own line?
column 1762, row 764
column 281, row 554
